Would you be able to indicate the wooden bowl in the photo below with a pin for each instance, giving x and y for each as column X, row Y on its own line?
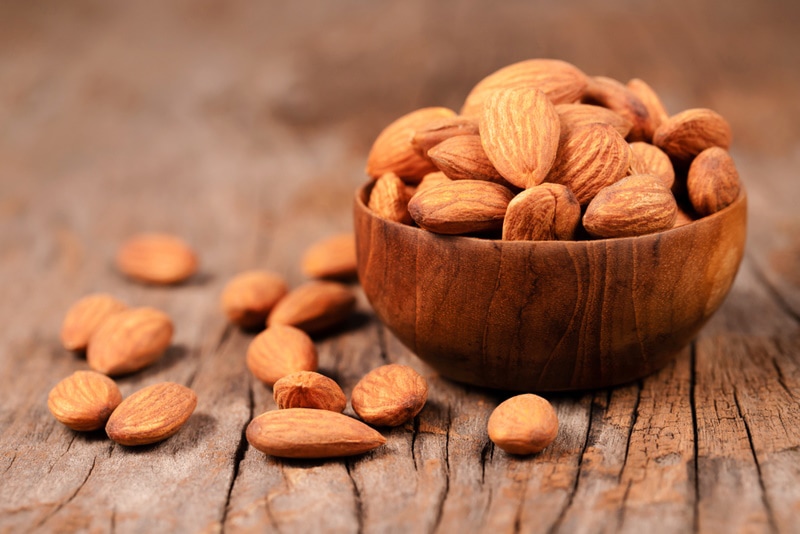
column 547, row 315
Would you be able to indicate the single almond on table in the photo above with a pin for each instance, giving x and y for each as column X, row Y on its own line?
column 129, row 340
column 308, row 433
column 280, row 350
column 333, row 257
column 614, row 95
column 463, row 158
column 636, row 205
column 560, row 81
column 590, row 158
column 686, row 134
column 389, row 198
column 85, row 316
column 461, row 206
column 152, row 414
column 650, row 99
column 575, row 115
column 157, row 259
column 307, row 389
column 248, row 297
column 649, row 159
column 393, row 150
column 544, row 212
column 389, row 395
column 314, row 306
column 520, row 131
column 524, row 424
column 442, row 129
column 84, row 400
column 713, row 181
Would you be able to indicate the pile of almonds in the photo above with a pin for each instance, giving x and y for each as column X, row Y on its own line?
column 541, row 151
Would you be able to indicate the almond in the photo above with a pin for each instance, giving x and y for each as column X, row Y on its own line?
column 463, row 158
column 152, row 414
column 650, row 99
column 307, row 433
column 649, row 159
column 544, row 212
column 248, row 297
column 613, row 95
column 573, row 116
column 157, row 259
column 84, row 400
column 85, row 317
column 314, row 306
column 393, row 150
column 431, row 180
column 307, row 389
column 560, row 81
column 389, row 395
column 524, row 424
column 129, row 340
column 389, row 199
column 636, row 205
column 442, row 129
column 713, row 181
column 590, row 158
column 279, row 351
column 519, row 131
column 685, row 135
column 461, row 206
column 333, row 257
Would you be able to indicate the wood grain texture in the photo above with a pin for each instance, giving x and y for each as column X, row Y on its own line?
column 244, row 128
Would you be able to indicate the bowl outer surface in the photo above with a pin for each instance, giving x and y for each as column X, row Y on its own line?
column 548, row 315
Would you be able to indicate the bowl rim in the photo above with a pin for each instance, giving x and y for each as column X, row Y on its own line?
column 362, row 190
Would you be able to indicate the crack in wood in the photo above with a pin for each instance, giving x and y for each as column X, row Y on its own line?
column 782, row 379
column 358, row 502
column 69, row 446
column 414, row 434
column 382, row 345
column 764, row 280
column 241, row 450
column 440, row 504
column 488, row 448
column 11, row 463
column 695, row 434
column 69, row 499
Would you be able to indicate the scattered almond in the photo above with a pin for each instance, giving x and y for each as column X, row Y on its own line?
column 307, row 389
column 248, row 297
column 308, row 433
column 463, row 158
column 152, row 414
column 389, row 395
column 389, row 198
column 544, row 212
column 279, row 351
column 461, row 206
column 650, row 99
column 713, row 181
column 85, row 317
column 84, row 400
column 649, row 159
column 314, row 306
column 524, row 424
column 333, row 257
column 442, row 129
column 157, row 259
column 685, row 135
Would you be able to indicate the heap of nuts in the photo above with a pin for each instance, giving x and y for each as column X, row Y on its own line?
column 541, row 151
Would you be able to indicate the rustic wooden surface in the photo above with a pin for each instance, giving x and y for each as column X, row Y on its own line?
column 244, row 128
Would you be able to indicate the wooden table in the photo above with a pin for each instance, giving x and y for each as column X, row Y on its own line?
column 244, row 128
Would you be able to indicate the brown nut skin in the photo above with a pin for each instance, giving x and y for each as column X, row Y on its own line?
column 389, row 198
column 157, row 259
column 389, row 395
column 280, row 350
column 333, row 257
column 314, row 306
column 152, row 414
column 307, row 389
column 461, row 207
column 248, row 297
column 84, row 400
column 524, row 424
column 541, row 213
column 713, row 181
column 686, row 134
column 84, row 318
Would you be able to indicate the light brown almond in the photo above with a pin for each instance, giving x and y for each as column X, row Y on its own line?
column 308, row 433
column 590, row 158
column 393, row 150
column 307, row 389
column 519, row 131
column 649, row 159
column 280, row 350
column 636, row 205
column 84, row 400
column 248, row 297
column 562, row 82
column 129, row 341
column 431, row 180
column 685, row 135
column 85, row 316
column 575, row 115
column 544, row 212
column 389, row 198
column 463, row 158
column 333, row 257
column 439, row 130
column 314, row 306
column 152, row 414
column 713, row 181
column 157, row 259
column 612, row 94
column 461, row 207
column 389, row 395
column 650, row 99
column 524, row 424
